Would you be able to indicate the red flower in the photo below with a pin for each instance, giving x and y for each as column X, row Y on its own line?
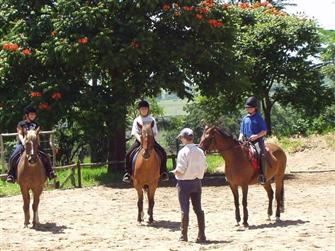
column 26, row 52
column 36, row 94
column 215, row 23
column 10, row 47
column 135, row 44
column 166, row 7
column 188, row 8
column 208, row 3
column 43, row 106
column 199, row 16
column 83, row 40
column 56, row 96
column 202, row 10
column 244, row 5
column 53, row 33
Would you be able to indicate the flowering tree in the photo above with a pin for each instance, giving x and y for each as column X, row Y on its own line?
column 92, row 59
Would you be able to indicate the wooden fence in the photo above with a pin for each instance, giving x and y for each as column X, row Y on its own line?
column 78, row 166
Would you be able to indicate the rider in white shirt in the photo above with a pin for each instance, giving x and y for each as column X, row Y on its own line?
column 144, row 118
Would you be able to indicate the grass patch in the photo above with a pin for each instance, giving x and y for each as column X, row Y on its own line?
column 173, row 107
column 292, row 145
column 330, row 140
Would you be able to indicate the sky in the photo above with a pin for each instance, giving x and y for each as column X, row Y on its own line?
column 321, row 10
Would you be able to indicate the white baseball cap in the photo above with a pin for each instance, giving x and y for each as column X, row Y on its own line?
column 185, row 132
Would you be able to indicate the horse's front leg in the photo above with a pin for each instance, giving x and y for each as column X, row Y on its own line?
column 245, row 205
column 140, row 204
column 37, row 194
column 151, row 199
column 26, row 203
column 269, row 191
column 234, row 190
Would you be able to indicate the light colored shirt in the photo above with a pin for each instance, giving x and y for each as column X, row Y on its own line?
column 191, row 163
column 143, row 120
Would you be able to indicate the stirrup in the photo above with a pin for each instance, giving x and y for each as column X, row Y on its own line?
column 10, row 179
column 261, row 179
column 126, row 178
column 52, row 175
column 164, row 176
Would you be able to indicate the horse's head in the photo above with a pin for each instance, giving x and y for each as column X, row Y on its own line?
column 208, row 139
column 147, row 138
column 31, row 146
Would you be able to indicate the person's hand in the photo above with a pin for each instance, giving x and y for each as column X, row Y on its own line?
column 253, row 137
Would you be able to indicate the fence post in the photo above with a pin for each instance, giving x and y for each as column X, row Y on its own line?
column 79, row 174
column 72, row 177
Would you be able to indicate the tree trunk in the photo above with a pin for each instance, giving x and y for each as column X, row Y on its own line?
column 266, row 104
column 117, row 144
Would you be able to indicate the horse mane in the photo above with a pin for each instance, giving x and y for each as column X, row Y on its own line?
column 225, row 134
column 31, row 135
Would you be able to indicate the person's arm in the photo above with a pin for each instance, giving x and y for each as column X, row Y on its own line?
column 258, row 135
column 181, row 164
column 135, row 131
column 19, row 130
column 240, row 137
column 262, row 133
column 155, row 128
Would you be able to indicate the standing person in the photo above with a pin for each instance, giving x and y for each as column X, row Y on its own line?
column 144, row 118
column 23, row 126
column 253, row 128
column 190, row 169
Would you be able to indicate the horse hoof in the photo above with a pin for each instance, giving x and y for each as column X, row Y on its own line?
column 25, row 225
column 237, row 224
column 268, row 219
column 245, row 225
column 277, row 219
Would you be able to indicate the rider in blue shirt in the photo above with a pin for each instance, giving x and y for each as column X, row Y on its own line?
column 253, row 128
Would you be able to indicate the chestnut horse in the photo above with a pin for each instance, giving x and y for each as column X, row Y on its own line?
column 31, row 176
column 239, row 170
column 146, row 171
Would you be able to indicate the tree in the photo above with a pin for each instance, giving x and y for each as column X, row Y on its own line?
column 278, row 48
column 129, row 49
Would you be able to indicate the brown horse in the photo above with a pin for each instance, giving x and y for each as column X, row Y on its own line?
column 31, row 176
column 239, row 170
column 146, row 172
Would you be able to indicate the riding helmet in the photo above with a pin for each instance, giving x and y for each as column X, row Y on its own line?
column 251, row 102
column 143, row 103
column 28, row 109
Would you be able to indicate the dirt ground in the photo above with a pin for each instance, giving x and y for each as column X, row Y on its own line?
column 104, row 218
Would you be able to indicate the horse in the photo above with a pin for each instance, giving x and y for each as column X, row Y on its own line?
column 31, row 175
column 146, row 171
column 239, row 170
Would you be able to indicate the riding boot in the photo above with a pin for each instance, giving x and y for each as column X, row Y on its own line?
column 126, row 177
column 163, row 169
column 201, row 228
column 11, row 175
column 262, row 177
column 184, row 227
column 47, row 166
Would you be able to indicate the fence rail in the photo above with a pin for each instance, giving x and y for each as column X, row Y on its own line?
column 78, row 166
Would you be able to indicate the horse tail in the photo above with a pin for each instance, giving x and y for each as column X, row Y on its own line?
column 282, row 207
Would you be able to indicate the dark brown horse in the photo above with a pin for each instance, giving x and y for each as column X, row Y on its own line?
column 239, row 170
column 146, row 172
column 31, row 176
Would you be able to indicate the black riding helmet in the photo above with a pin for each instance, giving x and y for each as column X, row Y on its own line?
column 143, row 103
column 251, row 102
column 28, row 109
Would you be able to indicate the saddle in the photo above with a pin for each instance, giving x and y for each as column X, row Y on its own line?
column 133, row 156
column 254, row 157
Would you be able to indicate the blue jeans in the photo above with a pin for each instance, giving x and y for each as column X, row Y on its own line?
column 15, row 157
